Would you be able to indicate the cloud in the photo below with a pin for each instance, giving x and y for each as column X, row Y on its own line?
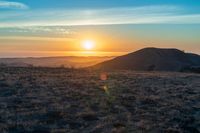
column 32, row 38
column 12, row 5
column 56, row 30
column 127, row 15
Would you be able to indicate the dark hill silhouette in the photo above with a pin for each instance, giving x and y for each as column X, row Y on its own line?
column 149, row 59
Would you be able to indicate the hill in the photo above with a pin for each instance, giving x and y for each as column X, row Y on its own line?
column 153, row 59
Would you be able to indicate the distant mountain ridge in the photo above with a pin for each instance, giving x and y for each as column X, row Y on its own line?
column 66, row 61
column 153, row 59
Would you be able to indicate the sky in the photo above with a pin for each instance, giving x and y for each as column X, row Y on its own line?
column 36, row 28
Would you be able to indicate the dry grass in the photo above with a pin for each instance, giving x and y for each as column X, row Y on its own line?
column 63, row 100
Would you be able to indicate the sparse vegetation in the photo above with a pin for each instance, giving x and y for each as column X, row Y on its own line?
column 72, row 100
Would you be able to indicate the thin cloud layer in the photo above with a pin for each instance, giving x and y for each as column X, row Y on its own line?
column 12, row 5
column 129, row 15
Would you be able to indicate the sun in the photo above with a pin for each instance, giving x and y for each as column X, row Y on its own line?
column 88, row 44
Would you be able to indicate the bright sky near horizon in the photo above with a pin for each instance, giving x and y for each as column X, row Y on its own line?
column 58, row 27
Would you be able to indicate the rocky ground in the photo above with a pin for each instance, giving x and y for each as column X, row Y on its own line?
column 44, row 100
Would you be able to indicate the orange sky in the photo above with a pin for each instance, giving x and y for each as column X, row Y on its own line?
column 111, row 40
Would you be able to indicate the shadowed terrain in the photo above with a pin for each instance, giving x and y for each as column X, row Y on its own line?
column 66, row 100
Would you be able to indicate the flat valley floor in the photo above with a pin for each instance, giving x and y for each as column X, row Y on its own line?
column 45, row 100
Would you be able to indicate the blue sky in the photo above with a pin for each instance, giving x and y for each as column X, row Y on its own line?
column 97, row 12
column 139, row 23
column 103, row 3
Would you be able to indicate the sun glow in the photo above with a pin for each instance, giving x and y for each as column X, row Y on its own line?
column 88, row 44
